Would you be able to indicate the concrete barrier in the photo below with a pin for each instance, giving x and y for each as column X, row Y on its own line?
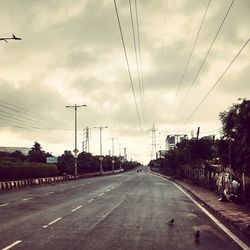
column 5, row 185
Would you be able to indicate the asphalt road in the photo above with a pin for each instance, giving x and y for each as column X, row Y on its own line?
column 125, row 211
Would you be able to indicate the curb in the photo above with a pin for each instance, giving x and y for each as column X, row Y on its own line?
column 7, row 185
column 228, row 220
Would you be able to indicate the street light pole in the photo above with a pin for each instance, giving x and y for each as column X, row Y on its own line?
column 101, row 158
column 120, row 157
column 75, row 150
column 113, row 148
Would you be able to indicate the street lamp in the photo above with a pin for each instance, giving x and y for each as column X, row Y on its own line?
column 113, row 146
column 75, row 150
column 101, row 158
column 10, row 38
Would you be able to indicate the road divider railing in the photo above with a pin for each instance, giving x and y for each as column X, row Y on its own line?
column 5, row 185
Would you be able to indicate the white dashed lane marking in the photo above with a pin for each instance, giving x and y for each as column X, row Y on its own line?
column 73, row 210
column 49, row 193
column 12, row 245
column 52, row 222
column 4, row 204
column 28, row 198
column 101, row 194
column 90, row 200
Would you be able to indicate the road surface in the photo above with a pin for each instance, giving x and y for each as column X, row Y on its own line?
column 125, row 211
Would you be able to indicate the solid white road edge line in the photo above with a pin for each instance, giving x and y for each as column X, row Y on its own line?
column 5, row 204
column 217, row 222
column 73, row 210
column 12, row 245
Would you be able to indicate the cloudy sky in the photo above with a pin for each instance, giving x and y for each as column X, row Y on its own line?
column 71, row 53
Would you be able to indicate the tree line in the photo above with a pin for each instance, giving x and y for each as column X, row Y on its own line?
column 16, row 165
column 231, row 150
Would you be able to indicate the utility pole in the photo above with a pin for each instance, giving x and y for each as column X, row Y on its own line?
column 198, row 133
column 113, row 152
column 86, row 138
column 75, row 150
column 154, row 144
column 120, row 157
column 101, row 157
column 125, row 154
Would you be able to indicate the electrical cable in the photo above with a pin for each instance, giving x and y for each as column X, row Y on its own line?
column 140, row 59
column 216, row 83
column 208, row 52
column 129, row 72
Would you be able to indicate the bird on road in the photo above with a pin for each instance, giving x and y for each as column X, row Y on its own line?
column 171, row 222
column 197, row 235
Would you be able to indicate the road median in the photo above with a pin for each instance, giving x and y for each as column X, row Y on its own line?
column 6, row 185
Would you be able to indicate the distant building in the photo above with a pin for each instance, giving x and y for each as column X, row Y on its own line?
column 23, row 150
column 172, row 140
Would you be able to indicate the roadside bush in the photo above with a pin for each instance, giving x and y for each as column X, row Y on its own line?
column 18, row 171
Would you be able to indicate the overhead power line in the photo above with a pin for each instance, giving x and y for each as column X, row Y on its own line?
column 192, row 50
column 140, row 56
column 129, row 72
column 216, row 83
column 32, row 114
column 136, row 57
column 205, row 58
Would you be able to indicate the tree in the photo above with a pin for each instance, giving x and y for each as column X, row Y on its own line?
column 236, row 130
column 36, row 154
column 66, row 163
column 18, row 155
column 84, row 162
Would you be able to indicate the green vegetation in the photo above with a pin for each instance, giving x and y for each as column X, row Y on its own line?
column 231, row 150
column 87, row 163
column 16, row 166
column 26, row 170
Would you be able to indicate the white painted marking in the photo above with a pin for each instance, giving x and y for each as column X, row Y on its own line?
column 26, row 199
column 90, row 200
column 217, row 222
column 101, row 194
column 73, row 210
column 54, row 221
column 73, row 186
column 45, row 226
column 5, row 204
column 107, row 190
column 12, row 245
column 49, row 193
column 112, row 187
column 89, row 182
column 82, row 184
